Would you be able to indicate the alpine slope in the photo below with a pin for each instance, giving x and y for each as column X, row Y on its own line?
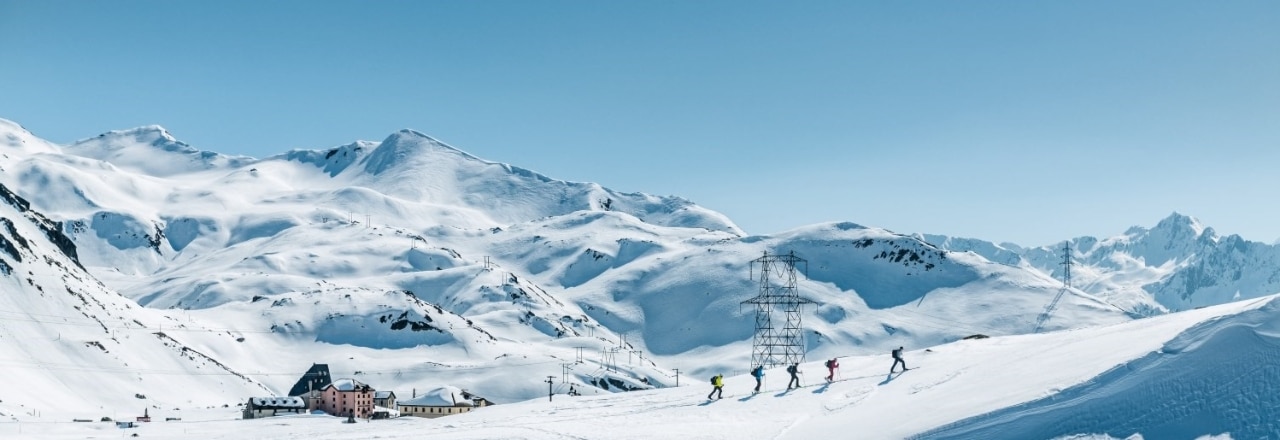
column 1203, row 374
column 410, row 264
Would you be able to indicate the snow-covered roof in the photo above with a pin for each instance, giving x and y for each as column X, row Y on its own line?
column 382, row 394
column 443, row 396
column 347, row 384
column 278, row 402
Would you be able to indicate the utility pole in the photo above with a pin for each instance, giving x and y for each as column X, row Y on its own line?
column 564, row 372
column 610, row 358
column 549, row 383
column 677, row 377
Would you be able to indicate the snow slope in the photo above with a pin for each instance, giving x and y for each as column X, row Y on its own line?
column 69, row 343
column 1219, row 376
column 1161, row 377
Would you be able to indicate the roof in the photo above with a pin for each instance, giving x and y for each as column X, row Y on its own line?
column 383, row 394
column 443, row 396
column 315, row 379
column 348, row 385
column 278, row 402
column 472, row 396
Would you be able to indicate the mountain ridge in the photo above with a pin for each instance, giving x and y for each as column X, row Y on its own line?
column 444, row 256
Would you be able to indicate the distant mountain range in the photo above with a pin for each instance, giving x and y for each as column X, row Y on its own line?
column 416, row 264
column 1179, row 264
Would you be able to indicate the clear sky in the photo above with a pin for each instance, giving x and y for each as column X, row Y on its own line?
column 1003, row 120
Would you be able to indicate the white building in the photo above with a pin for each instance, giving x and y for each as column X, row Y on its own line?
column 439, row 402
column 259, row 407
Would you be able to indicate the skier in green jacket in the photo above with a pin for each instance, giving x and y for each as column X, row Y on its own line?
column 718, row 382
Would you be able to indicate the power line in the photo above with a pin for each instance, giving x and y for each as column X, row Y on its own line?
column 98, row 324
column 18, row 363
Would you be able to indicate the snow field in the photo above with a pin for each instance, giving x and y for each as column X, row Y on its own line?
column 958, row 385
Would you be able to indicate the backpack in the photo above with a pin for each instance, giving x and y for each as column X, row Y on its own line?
column 791, row 369
column 829, row 364
column 713, row 380
column 758, row 371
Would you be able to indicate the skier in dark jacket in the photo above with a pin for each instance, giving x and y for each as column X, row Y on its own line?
column 897, row 358
column 794, row 369
column 718, row 383
column 758, row 373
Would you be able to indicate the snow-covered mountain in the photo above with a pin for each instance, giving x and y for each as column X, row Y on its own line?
column 1179, row 264
column 412, row 264
column 63, row 333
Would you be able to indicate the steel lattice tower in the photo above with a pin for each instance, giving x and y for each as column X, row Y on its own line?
column 773, row 346
column 1066, row 285
column 1066, row 263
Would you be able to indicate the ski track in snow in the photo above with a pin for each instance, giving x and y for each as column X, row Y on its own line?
column 916, row 388
column 849, row 399
column 783, row 432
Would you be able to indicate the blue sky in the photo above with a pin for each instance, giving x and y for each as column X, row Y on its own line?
column 1004, row 120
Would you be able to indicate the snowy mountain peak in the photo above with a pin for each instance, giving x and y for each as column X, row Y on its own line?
column 8, row 125
column 410, row 133
column 1180, row 225
column 15, row 137
column 407, row 147
column 136, row 149
column 154, row 135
